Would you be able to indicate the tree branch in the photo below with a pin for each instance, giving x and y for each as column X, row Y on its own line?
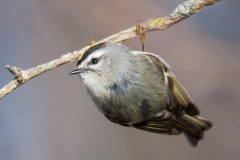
column 180, row 13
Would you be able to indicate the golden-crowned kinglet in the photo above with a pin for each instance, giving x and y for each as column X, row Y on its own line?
column 137, row 89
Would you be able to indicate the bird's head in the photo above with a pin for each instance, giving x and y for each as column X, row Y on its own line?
column 104, row 64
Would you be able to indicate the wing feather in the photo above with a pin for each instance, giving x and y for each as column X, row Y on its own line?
column 162, row 122
column 180, row 100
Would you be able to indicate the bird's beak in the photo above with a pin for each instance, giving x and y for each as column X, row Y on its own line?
column 76, row 71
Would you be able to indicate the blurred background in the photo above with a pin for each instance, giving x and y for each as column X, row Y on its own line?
column 52, row 117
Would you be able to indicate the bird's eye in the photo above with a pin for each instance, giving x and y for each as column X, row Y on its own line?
column 94, row 61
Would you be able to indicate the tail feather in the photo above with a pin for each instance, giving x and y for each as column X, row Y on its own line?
column 192, row 127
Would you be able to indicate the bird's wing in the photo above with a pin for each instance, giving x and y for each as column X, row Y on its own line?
column 161, row 122
column 179, row 100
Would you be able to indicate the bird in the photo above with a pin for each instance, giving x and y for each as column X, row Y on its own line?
column 137, row 89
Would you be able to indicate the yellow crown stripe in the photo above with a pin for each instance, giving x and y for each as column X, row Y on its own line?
column 92, row 43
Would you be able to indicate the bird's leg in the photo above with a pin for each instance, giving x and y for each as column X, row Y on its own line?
column 142, row 34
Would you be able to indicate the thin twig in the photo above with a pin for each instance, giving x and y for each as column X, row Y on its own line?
column 180, row 13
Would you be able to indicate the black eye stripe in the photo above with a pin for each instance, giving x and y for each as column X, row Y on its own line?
column 90, row 51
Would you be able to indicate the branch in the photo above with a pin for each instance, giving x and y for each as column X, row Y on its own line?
column 182, row 12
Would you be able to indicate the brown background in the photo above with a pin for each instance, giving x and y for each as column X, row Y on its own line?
column 52, row 117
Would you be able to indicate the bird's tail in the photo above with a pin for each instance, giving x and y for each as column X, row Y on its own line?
column 192, row 127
